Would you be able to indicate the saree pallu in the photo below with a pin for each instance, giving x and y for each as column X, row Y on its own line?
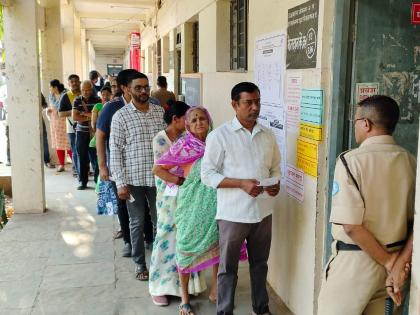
column 197, row 238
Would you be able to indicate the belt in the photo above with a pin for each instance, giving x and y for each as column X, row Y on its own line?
column 344, row 246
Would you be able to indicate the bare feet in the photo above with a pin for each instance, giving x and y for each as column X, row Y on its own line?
column 213, row 294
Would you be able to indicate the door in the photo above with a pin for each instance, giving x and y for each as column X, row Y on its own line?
column 387, row 54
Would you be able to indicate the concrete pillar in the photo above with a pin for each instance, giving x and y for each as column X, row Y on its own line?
column 187, row 48
column 53, row 59
column 165, row 54
column 85, row 57
column 23, row 87
column 78, row 69
column 214, row 38
column 91, row 56
column 67, row 24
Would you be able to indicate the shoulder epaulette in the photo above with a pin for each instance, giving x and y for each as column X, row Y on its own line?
column 344, row 161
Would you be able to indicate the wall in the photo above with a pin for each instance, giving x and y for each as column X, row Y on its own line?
column 297, row 252
column 103, row 60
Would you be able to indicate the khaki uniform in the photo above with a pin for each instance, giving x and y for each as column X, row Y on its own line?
column 353, row 282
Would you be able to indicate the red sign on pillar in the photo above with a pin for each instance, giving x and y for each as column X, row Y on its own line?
column 135, row 51
column 415, row 13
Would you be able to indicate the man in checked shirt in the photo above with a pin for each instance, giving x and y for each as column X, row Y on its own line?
column 132, row 130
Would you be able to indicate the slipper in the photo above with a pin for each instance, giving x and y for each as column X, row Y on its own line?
column 142, row 275
column 117, row 234
column 185, row 309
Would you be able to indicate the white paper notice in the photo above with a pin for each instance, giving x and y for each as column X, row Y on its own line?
column 293, row 91
column 294, row 183
column 270, row 52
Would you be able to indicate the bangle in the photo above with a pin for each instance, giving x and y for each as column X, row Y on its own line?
column 180, row 181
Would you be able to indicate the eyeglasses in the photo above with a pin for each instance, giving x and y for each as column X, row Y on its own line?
column 362, row 118
column 355, row 120
column 139, row 88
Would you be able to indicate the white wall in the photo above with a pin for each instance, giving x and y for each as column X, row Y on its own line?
column 103, row 60
column 297, row 251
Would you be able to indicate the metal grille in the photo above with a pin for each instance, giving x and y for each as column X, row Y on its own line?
column 238, row 34
column 195, row 48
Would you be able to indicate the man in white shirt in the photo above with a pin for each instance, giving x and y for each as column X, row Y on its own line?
column 240, row 154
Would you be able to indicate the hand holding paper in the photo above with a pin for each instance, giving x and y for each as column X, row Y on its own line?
column 271, row 186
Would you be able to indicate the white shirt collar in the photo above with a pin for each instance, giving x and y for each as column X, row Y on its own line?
column 236, row 125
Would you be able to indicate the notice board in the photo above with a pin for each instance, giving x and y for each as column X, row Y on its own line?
column 191, row 85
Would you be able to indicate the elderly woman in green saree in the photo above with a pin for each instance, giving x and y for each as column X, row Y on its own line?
column 196, row 229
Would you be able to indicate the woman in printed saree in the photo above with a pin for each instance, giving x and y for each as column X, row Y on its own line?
column 196, row 236
column 164, row 279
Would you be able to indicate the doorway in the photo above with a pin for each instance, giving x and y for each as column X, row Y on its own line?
column 375, row 45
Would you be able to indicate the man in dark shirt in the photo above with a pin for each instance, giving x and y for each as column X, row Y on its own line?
column 81, row 113
column 64, row 110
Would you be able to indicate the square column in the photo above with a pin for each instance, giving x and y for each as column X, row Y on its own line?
column 24, row 110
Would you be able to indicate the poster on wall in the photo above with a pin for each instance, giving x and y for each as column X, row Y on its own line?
column 295, row 183
column 269, row 76
column 302, row 35
column 293, row 90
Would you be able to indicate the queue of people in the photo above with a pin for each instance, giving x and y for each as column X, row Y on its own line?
column 203, row 190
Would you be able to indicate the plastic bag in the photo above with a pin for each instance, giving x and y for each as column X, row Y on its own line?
column 107, row 203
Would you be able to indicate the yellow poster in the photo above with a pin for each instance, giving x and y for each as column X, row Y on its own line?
column 311, row 131
column 307, row 156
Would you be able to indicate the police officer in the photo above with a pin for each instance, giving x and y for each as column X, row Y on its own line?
column 371, row 215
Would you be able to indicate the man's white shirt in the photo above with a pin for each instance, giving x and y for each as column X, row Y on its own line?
column 232, row 151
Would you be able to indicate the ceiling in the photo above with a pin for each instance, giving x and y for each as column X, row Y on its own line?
column 108, row 23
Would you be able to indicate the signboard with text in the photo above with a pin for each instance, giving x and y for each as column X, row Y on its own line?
column 415, row 13
column 302, row 36
column 365, row 90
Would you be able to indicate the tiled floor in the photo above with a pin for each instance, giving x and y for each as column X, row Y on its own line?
column 65, row 262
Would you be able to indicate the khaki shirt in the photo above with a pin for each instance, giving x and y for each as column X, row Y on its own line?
column 385, row 174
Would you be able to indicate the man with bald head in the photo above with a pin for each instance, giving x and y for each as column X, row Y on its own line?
column 81, row 113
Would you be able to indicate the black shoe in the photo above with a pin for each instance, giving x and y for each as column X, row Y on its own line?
column 126, row 251
column 81, row 187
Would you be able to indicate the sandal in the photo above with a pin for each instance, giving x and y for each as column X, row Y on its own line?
column 117, row 234
column 185, row 309
column 142, row 275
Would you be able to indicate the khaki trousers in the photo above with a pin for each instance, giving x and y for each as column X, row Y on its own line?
column 353, row 284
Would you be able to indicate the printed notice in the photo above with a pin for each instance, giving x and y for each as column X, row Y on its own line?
column 307, row 156
column 312, row 107
column 269, row 76
column 293, row 91
column 294, row 183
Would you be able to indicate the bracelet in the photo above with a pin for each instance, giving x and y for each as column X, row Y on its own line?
column 180, row 181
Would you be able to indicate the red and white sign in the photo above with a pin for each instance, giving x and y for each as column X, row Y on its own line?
column 365, row 90
column 135, row 51
column 415, row 13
